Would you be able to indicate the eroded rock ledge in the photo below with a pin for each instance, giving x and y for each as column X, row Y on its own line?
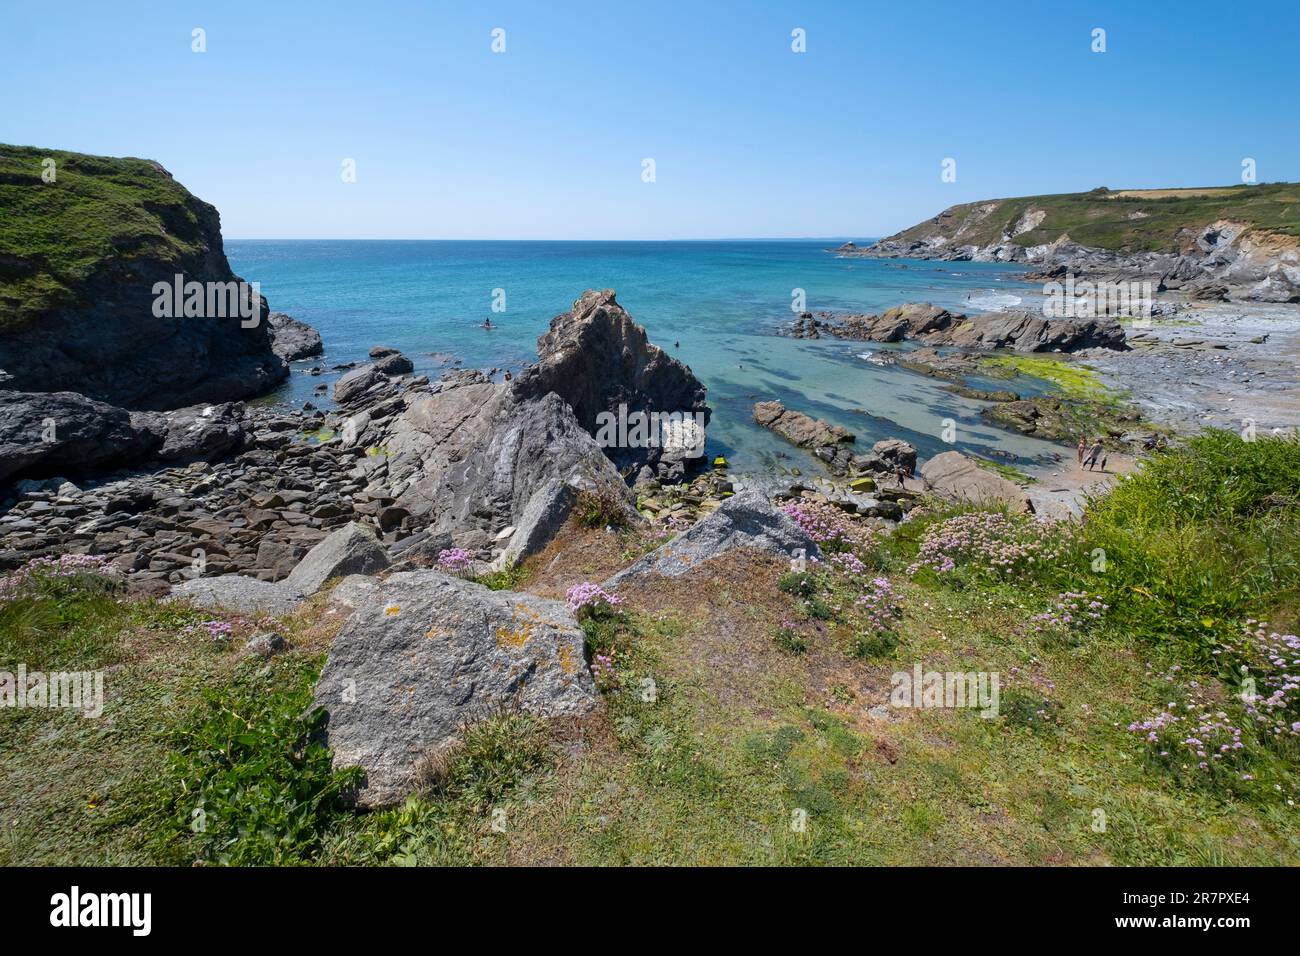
column 1021, row 331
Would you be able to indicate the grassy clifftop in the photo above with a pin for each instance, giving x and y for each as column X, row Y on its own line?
column 1130, row 220
column 97, row 213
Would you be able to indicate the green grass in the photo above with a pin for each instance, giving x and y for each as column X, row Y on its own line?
column 507, row 579
column 1198, row 541
column 247, row 783
column 1102, row 220
column 98, row 214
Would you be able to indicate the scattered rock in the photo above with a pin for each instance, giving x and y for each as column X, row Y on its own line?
column 266, row 644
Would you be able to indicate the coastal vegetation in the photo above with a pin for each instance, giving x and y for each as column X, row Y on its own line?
column 71, row 217
column 1128, row 221
column 1072, row 379
column 742, row 719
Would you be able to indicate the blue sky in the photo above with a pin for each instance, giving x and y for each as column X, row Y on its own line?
column 749, row 138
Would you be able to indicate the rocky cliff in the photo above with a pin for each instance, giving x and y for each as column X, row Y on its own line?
column 597, row 359
column 83, row 242
column 1239, row 242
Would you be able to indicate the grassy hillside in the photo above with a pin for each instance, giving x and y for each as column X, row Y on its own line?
column 54, row 236
column 765, row 742
column 1119, row 220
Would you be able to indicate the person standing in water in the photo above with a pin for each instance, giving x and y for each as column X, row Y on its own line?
column 1083, row 446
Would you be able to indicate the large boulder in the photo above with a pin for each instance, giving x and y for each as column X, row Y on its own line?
column 293, row 340
column 394, row 363
column 349, row 550
column 81, row 260
column 354, row 384
column 745, row 520
column 600, row 361
column 894, row 325
column 471, row 459
column 203, row 432
column 47, row 433
column 243, row 595
column 423, row 655
column 895, row 455
column 955, row 477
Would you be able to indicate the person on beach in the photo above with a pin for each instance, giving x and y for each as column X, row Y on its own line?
column 1083, row 446
column 1094, row 453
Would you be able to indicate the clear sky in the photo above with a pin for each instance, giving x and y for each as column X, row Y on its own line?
column 750, row 139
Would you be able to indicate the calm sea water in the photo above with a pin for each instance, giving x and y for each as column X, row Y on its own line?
column 714, row 305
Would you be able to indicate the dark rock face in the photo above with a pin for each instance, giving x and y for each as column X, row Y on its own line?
column 111, row 346
column 597, row 359
column 293, row 340
column 48, row 433
column 422, row 654
column 1018, row 330
column 42, row 433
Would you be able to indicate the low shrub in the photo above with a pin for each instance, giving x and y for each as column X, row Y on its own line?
column 788, row 639
column 601, row 507
column 250, row 785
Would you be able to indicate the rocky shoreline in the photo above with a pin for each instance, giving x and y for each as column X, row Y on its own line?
column 1205, row 244
column 464, row 462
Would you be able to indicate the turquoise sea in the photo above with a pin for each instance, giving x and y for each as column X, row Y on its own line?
column 717, row 306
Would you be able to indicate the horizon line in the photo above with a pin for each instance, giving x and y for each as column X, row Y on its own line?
column 431, row 239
